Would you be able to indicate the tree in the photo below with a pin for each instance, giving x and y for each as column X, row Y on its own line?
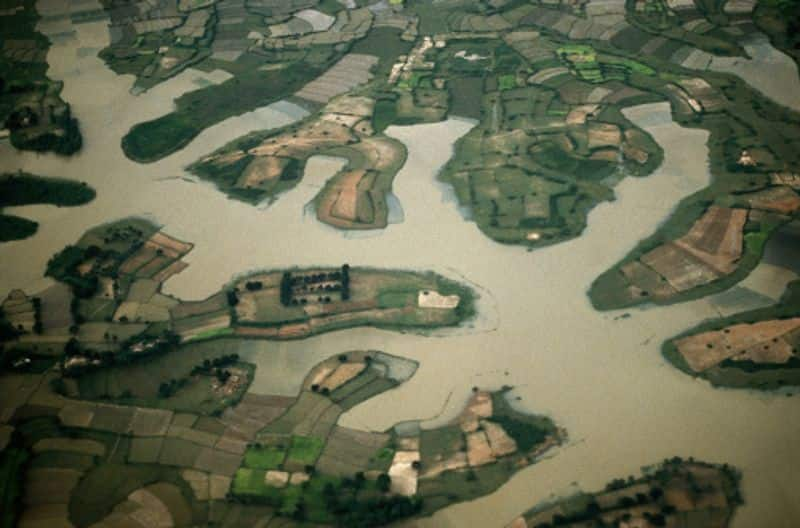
column 345, row 282
column 384, row 482
column 233, row 298
column 253, row 285
column 359, row 479
column 286, row 288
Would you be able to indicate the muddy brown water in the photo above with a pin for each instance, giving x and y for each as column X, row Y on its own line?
column 599, row 376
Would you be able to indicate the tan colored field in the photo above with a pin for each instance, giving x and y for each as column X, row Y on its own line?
column 479, row 452
column 159, row 256
column 343, row 373
column 403, row 474
column 173, row 269
column 433, row 299
column 262, row 169
column 353, row 199
column 345, row 196
column 710, row 250
column 500, row 442
column 479, row 406
column 604, row 135
column 716, row 238
column 761, row 342
column 779, row 199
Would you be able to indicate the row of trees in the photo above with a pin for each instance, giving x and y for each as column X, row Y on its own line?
column 288, row 283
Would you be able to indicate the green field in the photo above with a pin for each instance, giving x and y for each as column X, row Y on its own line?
column 264, row 457
column 305, row 449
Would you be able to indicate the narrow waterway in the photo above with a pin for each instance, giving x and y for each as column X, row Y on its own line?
column 601, row 377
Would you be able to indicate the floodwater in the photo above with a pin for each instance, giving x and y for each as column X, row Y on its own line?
column 768, row 70
column 599, row 376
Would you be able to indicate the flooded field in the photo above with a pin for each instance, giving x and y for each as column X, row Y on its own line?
column 598, row 375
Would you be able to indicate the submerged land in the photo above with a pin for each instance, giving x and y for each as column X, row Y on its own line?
column 122, row 405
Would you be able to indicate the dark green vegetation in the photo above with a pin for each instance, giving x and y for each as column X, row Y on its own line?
column 12, row 464
column 27, row 189
column 677, row 493
column 197, row 110
column 780, row 19
column 357, row 501
column 30, row 105
column 748, row 373
column 387, row 44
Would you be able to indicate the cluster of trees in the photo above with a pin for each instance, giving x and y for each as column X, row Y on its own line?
column 66, row 143
column 38, row 328
column 593, row 509
column 286, row 288
column 324, row 391
column 63, row 267
column 166, row 342
column 343, row 502
column 233, row 297
column 216, row 367
column 346, row 503
column 345, row 282
column 306, row 283
column 253, row 285
column 168, row 388
column 7, row 330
